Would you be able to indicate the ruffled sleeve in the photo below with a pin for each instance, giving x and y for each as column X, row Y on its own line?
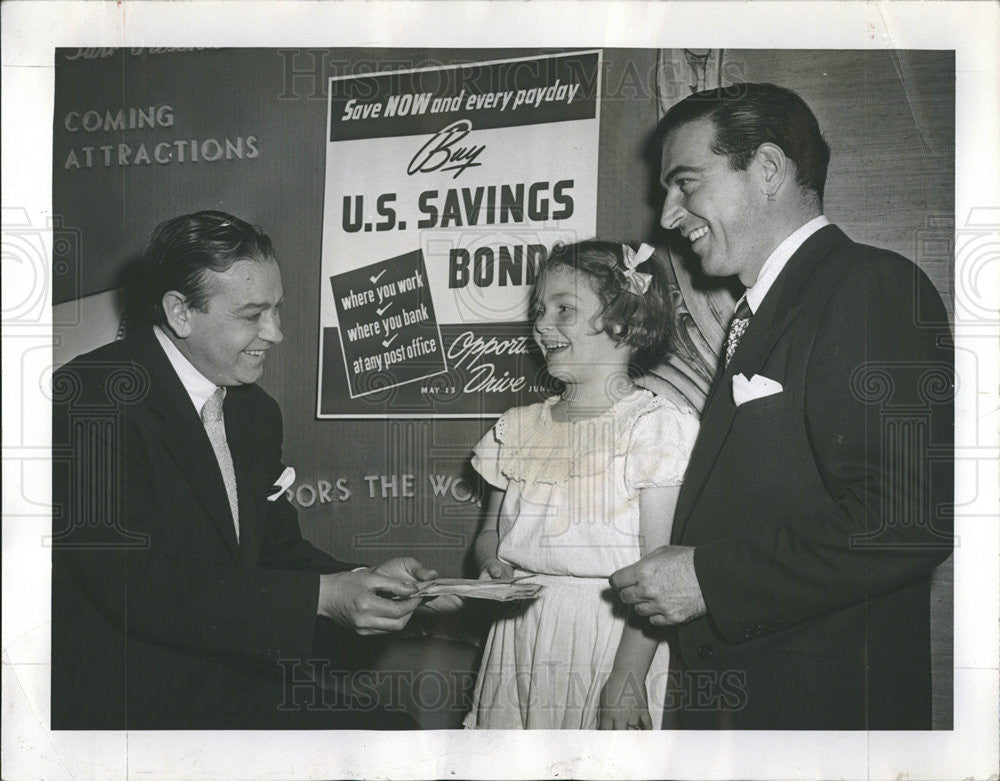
column 486, row 455
column 660, row 445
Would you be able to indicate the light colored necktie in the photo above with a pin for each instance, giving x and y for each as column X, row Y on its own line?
column 215, row 426
column 737, row 327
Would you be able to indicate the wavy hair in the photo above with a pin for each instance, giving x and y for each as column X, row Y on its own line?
column 642, row 322
column 746, row 115
column 181, row 251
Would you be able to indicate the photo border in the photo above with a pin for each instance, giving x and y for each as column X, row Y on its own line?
column 32, row 31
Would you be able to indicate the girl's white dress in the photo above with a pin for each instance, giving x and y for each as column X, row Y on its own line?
column 570, row 516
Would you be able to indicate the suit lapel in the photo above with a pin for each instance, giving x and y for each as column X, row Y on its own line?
column 183, row 433
column 778, row 310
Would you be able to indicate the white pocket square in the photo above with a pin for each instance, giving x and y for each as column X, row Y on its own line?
column 757, row 387
column 282, row 484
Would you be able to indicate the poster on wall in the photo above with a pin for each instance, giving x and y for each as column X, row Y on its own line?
column 445, row 188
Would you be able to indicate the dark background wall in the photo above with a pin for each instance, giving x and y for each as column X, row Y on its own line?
column 889, row 118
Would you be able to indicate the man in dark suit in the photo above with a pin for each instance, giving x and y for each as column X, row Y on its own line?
column 184, row 595
column 817, row 499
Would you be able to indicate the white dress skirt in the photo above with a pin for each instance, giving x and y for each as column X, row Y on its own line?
column 570, row 518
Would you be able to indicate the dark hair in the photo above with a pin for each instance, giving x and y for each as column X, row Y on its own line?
column 182, row 249
column 748, row 115
column 643, row 322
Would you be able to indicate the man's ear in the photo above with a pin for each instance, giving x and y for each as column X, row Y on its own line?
column 773, row 168
column 178, row 313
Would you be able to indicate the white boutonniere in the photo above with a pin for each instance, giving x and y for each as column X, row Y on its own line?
column 282, row 484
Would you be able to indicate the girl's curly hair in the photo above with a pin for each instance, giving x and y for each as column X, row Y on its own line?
column 643, row 322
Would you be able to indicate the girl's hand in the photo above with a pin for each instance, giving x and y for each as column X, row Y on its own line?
column 623, row 702
column 496, row 570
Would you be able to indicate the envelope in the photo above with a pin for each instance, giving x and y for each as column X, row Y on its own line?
column 757, row 387
column 497, row 590
column 282, row 484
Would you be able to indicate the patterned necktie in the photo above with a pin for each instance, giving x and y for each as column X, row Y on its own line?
column 215, row 427
column 737, row 328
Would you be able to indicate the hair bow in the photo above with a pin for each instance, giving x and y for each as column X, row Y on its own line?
column 638, row 282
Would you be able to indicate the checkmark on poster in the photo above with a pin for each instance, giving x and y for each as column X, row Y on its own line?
column 388, row 331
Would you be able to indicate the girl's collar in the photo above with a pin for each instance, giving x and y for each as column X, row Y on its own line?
column 551, row 401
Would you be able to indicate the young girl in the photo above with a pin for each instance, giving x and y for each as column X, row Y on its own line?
column 584, row 483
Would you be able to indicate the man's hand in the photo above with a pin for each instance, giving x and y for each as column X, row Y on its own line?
column 409, row 569
column 361, row 600
column 405, row 568
column 662, row 585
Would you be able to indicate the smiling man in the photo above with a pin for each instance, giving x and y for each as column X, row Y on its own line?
column 184, row 595
column 817, row 499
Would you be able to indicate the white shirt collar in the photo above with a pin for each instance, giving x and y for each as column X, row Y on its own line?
column 776, row 261
column 197, row 385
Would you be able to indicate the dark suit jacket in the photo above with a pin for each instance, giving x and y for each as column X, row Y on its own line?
column 818, row 514
column 159, row 619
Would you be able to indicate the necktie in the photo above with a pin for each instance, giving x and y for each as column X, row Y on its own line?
column 737, row 327
column 215, row 427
